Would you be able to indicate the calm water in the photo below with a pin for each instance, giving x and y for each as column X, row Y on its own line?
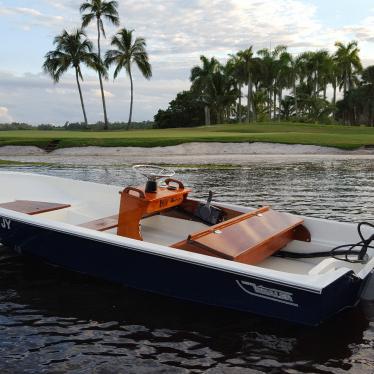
column 54, row 321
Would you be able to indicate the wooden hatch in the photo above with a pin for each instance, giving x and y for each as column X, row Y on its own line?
column 32, row 207
column 249, row 238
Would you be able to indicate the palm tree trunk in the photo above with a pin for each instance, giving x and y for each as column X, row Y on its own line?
column 207, row 115
column 240, row 104
column 315, row 84
column 295, row 98
column 334, row 95
column 100, row 78
column 279, row 103
column 254, row 115
column 81, row 97
column 345, row 84
column 250, row 108
column 248, row 119
column 131, row 101
column 219, row 119
column 344, row 93
column 269, row 102
column 275, row 102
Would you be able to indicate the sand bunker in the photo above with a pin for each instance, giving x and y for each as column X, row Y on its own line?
column 189, row 153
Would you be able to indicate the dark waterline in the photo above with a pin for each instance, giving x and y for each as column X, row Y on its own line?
column 54, row 321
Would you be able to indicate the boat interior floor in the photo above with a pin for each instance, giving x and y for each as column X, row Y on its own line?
column 166, row 229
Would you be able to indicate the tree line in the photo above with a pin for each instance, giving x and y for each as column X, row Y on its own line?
column 74, row 126
column 74, row 50
column 277, row 86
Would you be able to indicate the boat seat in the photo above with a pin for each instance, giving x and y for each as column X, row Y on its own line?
column 249, row 238
column 32, row 207
column 102, row 224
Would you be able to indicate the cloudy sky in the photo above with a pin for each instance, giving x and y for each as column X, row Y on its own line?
column 177, row 33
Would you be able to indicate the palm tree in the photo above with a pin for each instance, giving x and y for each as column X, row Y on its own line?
column 260, row 102
column 202, row 82
column 248, row 62
column 295, row 74
column 269, row 71
column 224, row 94
column 334, row 76
column 323, row 68
column 368, row 84
column 284, row 77
column 316, row 66
column 328, row 76
column 129, row 51
column 72, row 50
column 287, row 107
column 348, row 62
column 99, row 10
column 307, row 73
column 234, row 68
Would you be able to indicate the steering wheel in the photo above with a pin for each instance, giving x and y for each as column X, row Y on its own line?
column 153, row 172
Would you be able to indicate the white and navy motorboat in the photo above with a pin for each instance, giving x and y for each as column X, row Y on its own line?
column 158, row 239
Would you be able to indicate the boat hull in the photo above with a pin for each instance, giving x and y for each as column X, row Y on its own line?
column 175, row 277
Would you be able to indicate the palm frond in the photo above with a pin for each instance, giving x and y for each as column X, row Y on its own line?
column 71, row 49
column 87, row 19
column 117, row 71
column 84, row 7
column 112, row 57
column 127, row 52
column 144, row 66
column 113, row 19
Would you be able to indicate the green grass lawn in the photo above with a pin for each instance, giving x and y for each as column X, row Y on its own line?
column 346, row 137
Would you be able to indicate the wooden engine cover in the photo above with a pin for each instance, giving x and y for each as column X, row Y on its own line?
column 248, row 238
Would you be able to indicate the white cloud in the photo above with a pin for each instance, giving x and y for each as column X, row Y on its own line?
column 97, row 93
column 4, row 115
column 32, row 17
column 34, row 98
column 363, row 31
column 215, row 26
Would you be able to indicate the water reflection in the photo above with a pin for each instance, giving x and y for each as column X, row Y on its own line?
column 55, row 321
column 60, row 317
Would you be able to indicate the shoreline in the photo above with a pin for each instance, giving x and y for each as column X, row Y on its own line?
column 188, row 153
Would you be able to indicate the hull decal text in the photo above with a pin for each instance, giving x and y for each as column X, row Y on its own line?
column 5, row 223
column 263, row 292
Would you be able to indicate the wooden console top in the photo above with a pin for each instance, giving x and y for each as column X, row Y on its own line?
column 163, row 199
column 136, row 204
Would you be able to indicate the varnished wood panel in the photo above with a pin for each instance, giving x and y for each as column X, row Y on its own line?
column 137, row 204
column 102, row 224
column 33, row 207
column 249, row 238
